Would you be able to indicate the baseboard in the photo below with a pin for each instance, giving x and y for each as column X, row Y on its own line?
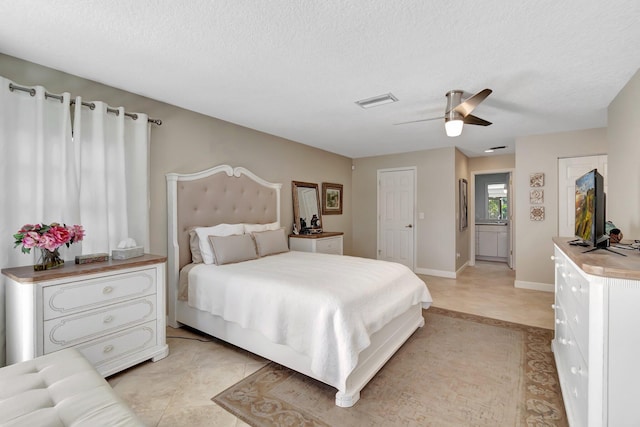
column 461, row 269
column 437, row 273
column 536, row 286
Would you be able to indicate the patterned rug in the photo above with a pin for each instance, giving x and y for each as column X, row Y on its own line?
column 458, row 370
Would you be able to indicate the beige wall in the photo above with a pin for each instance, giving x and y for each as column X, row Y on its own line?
column 492, row 163
column 436, row 198
column 623, row 173
column 540, row 153
column 188, row 142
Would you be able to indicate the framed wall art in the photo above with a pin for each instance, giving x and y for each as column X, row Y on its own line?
column 536, row 213
column 331, row 199
column 536, row 197
column 536, row 179
column 464, row 205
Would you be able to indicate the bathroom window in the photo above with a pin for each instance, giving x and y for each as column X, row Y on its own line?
column 497, row 206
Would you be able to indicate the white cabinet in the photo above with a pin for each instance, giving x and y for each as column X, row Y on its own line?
column 596, row 343
column 113, row 312
column 328, row 242
column 503, row 243
column 492, row 241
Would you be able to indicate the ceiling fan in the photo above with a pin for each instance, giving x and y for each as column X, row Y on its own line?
column 458, row 112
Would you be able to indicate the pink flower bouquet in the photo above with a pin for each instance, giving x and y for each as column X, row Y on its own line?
column 49, row 237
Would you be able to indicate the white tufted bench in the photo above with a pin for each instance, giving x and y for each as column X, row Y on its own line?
column 60, row 389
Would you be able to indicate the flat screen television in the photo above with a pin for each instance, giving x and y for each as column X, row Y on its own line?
column 590, row 210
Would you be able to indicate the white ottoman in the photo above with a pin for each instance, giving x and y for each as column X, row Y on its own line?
column 60, row 389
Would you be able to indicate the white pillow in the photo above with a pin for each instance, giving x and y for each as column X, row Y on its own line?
column 217, row 230
column 271, row 242
column 250, row 228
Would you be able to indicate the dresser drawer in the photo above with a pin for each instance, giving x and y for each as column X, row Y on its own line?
column 329, row 245
column 573, row 292
column 577, row 386
column 75, row 329
column 120, row 344
column 73, row 297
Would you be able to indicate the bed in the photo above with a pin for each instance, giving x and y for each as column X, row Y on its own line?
column 341, row 342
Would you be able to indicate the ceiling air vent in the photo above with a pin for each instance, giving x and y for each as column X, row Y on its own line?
column 387, row 98
column 492, row 149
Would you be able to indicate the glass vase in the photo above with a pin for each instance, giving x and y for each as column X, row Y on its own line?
column 48, row 260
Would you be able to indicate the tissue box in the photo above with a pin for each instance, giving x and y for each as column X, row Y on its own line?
column 127, row 253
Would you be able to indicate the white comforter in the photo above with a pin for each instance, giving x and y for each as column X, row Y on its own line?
column 324, row 306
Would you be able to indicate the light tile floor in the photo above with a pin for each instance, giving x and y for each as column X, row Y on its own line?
column 177, row 390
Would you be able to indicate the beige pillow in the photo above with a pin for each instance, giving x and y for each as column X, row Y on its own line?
column 235, row 248
column 271, row 242
column 194, row 244
column 217, row 230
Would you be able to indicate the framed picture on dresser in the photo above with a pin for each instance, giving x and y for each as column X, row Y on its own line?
column 331, row 199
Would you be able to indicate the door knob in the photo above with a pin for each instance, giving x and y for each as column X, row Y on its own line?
column 409, row 226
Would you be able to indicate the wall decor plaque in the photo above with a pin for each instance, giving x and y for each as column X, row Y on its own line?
column 536, row 196
column 536, row 213
column 536, row 179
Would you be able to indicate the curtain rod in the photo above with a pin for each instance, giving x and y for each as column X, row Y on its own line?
column 91, row 105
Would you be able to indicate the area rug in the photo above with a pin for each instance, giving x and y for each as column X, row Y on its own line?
column 458, row 370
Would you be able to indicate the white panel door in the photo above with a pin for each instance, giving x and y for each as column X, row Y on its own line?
column 396, row 216
column 569, row 170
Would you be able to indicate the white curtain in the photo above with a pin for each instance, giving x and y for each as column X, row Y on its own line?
column 37, row 172
column 113, row 176
column 97, row 177
column 37, row 169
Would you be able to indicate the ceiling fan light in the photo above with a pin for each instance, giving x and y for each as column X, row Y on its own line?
column 453, row 127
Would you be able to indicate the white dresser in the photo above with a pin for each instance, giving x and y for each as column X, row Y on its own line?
column 113, row 312
column 597, row 335
column 328, row 242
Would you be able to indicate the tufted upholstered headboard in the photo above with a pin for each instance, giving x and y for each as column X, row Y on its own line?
column 222, row 194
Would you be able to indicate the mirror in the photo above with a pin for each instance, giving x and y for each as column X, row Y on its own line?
column 306, row 207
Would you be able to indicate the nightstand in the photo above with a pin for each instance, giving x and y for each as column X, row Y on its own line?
column 113, row 312
column 327, row 242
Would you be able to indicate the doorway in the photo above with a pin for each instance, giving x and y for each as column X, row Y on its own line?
column 396, row 215
column 492, row 234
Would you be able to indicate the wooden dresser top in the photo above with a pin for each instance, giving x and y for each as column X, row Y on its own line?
column 602, row 263
column 26, row 274
column 318, row 235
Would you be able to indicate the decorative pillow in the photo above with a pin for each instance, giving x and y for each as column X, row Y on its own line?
column 218, row 230
column 251, row 228
column 235, row 248
column 194, row 245
column 271, row 242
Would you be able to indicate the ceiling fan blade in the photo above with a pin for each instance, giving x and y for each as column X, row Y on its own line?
column 465, row 108
column 473, row 120
column 421, row 120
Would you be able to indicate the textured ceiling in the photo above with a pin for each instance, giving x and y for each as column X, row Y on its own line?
column 295, row 68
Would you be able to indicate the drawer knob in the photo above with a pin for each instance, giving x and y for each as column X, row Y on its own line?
column 574, row 289
column 107, row 290
column 553, row 257
column 559, row 322
column 553, row 306
column 563, row 341
column 108, row 319
column 107, row 349
column 574, row 370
